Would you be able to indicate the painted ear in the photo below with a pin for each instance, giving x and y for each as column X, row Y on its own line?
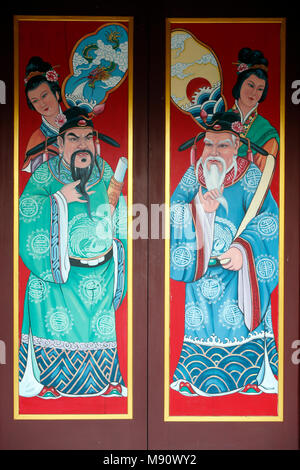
column 60, row 142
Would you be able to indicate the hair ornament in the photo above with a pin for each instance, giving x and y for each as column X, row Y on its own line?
column 242, row 66
column 51, row 75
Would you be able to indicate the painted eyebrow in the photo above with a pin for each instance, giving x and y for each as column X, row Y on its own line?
column 208, row 141
column 71, row 134
column 41, row 94
column 36, row 98
column 253, row 83
column 226, row 141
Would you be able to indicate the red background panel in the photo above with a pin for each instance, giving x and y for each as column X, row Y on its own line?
column 54, row 41
column 225, row 40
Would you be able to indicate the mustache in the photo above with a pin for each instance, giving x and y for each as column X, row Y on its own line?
column 215, row 178
column 214, row 174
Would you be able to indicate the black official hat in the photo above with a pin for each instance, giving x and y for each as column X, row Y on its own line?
column 228, row 121
column 74, row 117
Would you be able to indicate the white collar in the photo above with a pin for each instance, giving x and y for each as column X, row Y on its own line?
column 53, row 129
column 243, row 119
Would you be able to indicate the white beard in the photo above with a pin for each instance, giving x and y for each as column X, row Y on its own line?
column 215, row 178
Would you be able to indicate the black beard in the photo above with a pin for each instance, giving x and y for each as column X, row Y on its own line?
column 82, row 174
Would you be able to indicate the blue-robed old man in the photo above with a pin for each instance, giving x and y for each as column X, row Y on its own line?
column 224, row 247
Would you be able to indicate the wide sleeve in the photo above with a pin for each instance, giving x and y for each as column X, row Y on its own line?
column 191, row 231
column 259, row 244
column 120, row 242
column 43, row 228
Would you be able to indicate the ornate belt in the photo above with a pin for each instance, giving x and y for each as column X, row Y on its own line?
column 90, row 263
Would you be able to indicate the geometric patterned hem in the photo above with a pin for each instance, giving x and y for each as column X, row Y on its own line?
column 69, row 346
column 223, row 369
column 75, row 372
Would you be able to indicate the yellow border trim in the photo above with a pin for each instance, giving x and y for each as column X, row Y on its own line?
column 279, row 416
column 167, row 223
column 129, row 414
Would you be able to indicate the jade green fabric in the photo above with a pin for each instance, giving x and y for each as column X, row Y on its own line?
column 69, row 311
column 260, row 132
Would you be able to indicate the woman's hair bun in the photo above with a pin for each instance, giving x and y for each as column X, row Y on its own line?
column 252, row 57
column 37, row 64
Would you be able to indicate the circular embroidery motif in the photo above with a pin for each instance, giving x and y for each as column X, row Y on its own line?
column 41, row 175
column 181, row 256
column 230, row 315
column 267, row 225
column 195, row 316
column 103, row 325
column 91, row 289
column 37, row 289
column 266, row 268
column 28, row 208
column 38, row 243
column 180, row 214
column 211, row 288
column 251, row 179
column 59, row 321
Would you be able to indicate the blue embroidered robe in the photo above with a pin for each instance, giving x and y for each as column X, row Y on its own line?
column 228, row 340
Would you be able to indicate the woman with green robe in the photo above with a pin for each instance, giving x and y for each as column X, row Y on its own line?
column 249, row 90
